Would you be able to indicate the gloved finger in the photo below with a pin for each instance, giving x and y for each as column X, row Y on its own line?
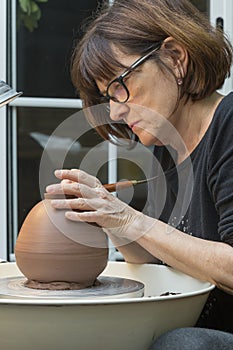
column 79, row 176
column 73, row 204
column 77, row 190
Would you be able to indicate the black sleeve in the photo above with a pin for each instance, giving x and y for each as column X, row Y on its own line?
column 220, row 173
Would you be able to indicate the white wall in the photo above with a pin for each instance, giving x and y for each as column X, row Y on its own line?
column 224, row 9
column 3, row 210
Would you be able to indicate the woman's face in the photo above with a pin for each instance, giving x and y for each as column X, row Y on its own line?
column 152, row 99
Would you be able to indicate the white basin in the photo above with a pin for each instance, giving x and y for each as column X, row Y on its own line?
column 126, row 323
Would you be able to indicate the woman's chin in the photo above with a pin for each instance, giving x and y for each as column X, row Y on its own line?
column 150, row 141
column 147, row 138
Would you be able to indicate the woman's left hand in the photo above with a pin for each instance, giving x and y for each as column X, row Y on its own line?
column 96, row 204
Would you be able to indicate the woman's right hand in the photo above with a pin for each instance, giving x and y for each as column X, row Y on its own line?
column 94, row 204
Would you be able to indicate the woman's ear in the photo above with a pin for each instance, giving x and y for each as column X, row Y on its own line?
column 178, row 55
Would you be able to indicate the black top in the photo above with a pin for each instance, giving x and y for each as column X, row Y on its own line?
column 197, row 197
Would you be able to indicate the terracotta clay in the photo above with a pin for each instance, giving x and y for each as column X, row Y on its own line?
column 52, row 249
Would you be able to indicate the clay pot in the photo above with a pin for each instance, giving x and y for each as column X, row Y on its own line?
column 51, row 248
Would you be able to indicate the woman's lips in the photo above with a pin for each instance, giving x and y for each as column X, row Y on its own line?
column 133, row 125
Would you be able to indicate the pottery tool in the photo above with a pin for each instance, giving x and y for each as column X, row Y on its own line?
column 113, row 187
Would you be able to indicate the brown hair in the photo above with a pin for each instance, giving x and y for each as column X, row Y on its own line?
column 134, row 26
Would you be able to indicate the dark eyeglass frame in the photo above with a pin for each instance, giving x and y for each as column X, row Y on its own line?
column 119, row 79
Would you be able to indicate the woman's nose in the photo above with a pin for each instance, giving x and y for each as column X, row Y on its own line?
column 117, row 110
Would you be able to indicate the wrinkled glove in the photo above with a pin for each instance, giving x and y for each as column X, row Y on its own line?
column 94, row 204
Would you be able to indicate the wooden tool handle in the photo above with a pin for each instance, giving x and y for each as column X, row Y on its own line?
column 118, row 185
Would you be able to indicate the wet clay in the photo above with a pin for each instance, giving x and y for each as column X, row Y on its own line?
column 56, row 285
column 51, row 249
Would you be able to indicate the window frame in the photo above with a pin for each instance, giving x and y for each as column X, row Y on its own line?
column 222, row 9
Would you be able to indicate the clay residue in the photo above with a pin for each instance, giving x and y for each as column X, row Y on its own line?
column 53, row 285
column 168, row 293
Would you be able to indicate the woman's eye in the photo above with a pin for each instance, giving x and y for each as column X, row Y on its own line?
column 117, row 87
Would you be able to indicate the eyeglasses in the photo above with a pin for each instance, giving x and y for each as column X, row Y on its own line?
column 117, row 91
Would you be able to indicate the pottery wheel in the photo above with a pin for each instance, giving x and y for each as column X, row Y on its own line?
column 108, row 287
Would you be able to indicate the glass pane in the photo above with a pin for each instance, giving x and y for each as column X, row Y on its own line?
column 72, row 140
column 43, row 54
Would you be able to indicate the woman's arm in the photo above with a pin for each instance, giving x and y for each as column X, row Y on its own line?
column 133, row 252
column 203, row 259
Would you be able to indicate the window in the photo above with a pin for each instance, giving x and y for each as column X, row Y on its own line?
column 37, row 62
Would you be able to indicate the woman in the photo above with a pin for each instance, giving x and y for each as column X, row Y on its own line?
column 159, row 64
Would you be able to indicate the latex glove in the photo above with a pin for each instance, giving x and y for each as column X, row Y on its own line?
column 97, row 205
